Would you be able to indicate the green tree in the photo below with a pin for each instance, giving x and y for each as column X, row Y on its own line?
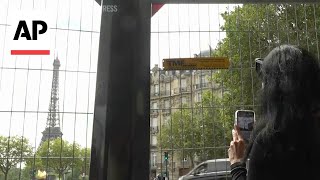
column 83, row 168
column 251, row 32
column 197, row 133
column 60, row 156
column 14, row 174
column 86, row 158
column 13, row 150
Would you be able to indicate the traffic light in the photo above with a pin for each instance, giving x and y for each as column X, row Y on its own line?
column 166, row 156
column 33, row 173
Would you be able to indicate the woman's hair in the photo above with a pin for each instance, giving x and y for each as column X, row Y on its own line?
column 291, row 78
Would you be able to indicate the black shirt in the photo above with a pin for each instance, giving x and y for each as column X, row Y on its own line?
column 278, row 161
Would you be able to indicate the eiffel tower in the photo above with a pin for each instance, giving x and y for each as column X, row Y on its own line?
column 52, row 130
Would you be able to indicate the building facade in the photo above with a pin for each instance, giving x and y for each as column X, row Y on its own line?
column 170, row 90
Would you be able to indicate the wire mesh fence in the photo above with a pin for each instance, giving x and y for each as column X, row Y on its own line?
column 47, row 102
column 192, row 111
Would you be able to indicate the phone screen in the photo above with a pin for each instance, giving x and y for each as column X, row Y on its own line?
column 245, row 120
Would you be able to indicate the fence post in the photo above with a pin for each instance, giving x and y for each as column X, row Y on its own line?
column 121, row 135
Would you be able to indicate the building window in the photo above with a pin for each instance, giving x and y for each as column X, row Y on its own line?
column 153, row 159
column 183, row 83
column 184, row 100
column 203, row 79
column 156, row 89
column 167, row 104
column 199, row 97
column 154, row 140
column 154, row 105
column 154, row 122
column 167, row 89
column 197, row 79
column 167, row 86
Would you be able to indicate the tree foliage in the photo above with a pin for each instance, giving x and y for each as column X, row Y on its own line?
column 15, row 174
column 85, row 161
column 60, row 156
column 13, row 150
column 251, row 32
column 196, row 133
column 57, row 157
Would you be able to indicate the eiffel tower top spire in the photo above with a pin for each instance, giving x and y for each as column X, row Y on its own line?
column 53, row 130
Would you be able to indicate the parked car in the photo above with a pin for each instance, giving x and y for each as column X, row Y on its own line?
column 216, row 169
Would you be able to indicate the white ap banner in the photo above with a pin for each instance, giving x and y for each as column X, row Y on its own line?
column 28, row 33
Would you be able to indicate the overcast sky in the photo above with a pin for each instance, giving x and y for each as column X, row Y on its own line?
column 27, row 92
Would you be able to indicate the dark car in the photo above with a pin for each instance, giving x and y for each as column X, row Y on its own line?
column 210, row 169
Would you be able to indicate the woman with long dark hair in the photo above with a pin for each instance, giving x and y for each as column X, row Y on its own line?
column 285, row 142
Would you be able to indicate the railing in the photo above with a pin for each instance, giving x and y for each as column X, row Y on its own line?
column 202, row 85
column 154, row 94
column 166, row 112
column 161, row 93
column 165, row 93
column 181, row 90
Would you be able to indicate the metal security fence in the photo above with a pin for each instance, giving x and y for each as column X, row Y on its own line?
column 192, row 111
column 47, row 102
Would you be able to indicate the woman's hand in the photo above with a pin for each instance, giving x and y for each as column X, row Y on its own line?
column 237, row 146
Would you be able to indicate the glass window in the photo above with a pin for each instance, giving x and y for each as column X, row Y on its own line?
column 167, row 104
column 155, row 105
column 167, row 86
column 201, row 169
column 167, row 89
column 199, row 97
column 156, row 88
column 183, row 83
column 219, row 166
column 203, row 79
column 184, row 100
column 153, row 159
column 154, row 140
column 154, row 122
column 197, row 79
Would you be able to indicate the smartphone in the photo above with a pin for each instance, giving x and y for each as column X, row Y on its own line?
column 245, row 119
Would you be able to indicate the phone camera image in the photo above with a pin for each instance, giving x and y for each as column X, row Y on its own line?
column 245, row 120
column 245, row 123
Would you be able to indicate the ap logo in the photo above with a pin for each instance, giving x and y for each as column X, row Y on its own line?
column 23, row 30
column 29, row 34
